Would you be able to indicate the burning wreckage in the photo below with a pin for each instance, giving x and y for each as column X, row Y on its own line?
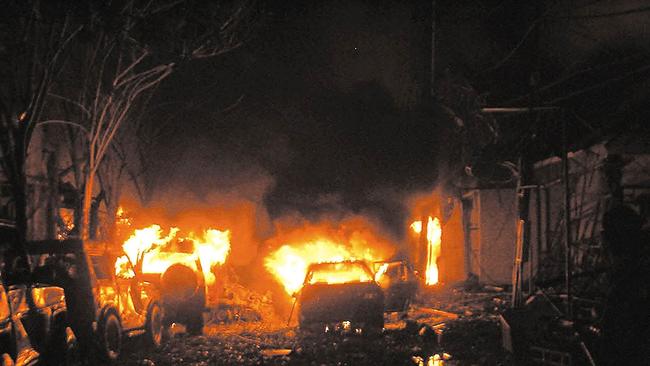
column 142, row 289
column 153, row 281
column 34, row 325
column 341, row 295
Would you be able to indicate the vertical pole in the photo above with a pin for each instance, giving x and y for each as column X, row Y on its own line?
column 432, row 80
column 467, row 206
column 516, row 271
column 52, row 199
column 547, row 220
column 567, row 218
column 538, row 209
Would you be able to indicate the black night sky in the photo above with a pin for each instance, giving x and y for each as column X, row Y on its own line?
column 326, row 106
column 323, row 107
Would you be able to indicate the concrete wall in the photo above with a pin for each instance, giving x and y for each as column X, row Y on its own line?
column 498, row 216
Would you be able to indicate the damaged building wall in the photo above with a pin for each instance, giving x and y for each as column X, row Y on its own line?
column 596, row 174
column 588, row 201
column 605, row 174
column 490, row 219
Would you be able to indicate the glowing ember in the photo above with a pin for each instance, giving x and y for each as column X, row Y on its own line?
column 289, row 262
column 121, row 218
column 67, row 220
column 155, row 253
column 434, row 235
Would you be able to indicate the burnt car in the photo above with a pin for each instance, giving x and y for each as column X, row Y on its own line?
column 103, row 308
column 15, row 347
column 399, row 282
column 33, row 314
column 336, row 294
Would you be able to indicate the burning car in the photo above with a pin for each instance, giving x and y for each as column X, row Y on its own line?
column 15, row 346
column 103, row 307
column 181, row 266
column 343, row 292
column 33, row 314
column 399, row 282
column 183, row 295
column 34, row 326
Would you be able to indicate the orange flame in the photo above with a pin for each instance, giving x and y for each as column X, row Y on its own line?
column 150, row 248
column 434, row 236
column 289, row 262
column 339, row 272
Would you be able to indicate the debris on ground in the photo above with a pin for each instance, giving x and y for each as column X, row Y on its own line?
column 437, row 325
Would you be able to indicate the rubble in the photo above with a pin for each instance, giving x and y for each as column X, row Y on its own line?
column 456, row 339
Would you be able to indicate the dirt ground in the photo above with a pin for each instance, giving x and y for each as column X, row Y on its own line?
column 462, row 327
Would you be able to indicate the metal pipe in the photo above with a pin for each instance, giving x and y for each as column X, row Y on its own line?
column 547, row 220
column 567, row 218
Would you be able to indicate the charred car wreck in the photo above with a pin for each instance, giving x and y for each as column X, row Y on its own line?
column 399, row 282
column 108, row 308
column 104, row 308
column 341, row 295
column 34, row 325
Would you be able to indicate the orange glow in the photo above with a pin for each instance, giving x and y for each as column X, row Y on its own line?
column 67, row 219
column 121, row 218
column 299, row 243
column 434, row 236
column 381, row 271
column 156, row 252
column 289, row 262
column 339, row 272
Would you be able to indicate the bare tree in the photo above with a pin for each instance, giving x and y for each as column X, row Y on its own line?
column 34, row 38
column 122, row 50
column 119, row 61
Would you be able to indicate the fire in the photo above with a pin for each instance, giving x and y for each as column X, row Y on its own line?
column 339, row 272
column 434, row 236
column 289, row 262
column 154, row 252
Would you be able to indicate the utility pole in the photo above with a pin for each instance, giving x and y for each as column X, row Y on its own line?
column 567, row 219
column 432, row 80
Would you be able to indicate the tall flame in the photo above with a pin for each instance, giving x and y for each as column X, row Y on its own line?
column 434, row 236
column 156, row 253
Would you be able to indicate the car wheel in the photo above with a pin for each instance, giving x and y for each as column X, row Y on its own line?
column 154, row 325
column 7, row 361
column 110, row 335
column 195, row 324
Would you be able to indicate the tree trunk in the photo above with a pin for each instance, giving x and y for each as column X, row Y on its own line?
column 87, row 202
column 53, row 193
column 20, row 189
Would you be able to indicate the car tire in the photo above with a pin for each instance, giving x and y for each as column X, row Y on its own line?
column 109, row 332
column 153, row 326
column 195, row 324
